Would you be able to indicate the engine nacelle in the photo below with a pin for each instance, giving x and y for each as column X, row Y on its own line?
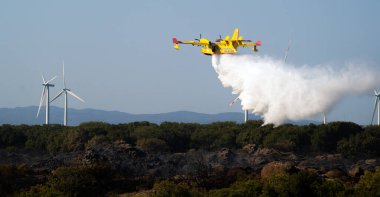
column 204, row 41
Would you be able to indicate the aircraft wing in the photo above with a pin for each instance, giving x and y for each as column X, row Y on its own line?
column 250, row 44
column 192, row 42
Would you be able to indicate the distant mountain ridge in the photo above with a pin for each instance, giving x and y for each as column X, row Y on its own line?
column 27, row 115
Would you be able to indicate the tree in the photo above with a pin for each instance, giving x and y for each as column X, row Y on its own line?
column 326, row 137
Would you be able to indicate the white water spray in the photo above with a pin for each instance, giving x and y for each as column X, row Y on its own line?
column 279, row 91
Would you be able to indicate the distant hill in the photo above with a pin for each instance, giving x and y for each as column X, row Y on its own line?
column 27, row 115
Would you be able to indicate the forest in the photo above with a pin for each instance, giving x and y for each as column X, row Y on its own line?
column 173, row 159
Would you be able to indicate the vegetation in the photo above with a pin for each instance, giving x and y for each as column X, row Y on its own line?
column 346, row 138
column 337, row 137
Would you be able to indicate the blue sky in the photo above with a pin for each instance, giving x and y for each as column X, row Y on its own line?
column 119, row 56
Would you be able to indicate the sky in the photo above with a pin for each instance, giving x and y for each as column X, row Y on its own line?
column 119, row 54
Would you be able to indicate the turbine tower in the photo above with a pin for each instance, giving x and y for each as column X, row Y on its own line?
column 245, row 116
column 377, row 94
column 45, row 93
column 65, row 91
column 245, row 111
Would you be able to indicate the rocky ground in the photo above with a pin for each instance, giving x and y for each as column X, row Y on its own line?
column 249, row 160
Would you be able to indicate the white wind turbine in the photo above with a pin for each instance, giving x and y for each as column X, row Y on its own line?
column 65, row 91
column 245, row 111
column 377, row 94
column 45, row 91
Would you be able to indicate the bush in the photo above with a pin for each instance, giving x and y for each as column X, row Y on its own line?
column 170, row 189
column 96, row 140
column 152, row 144
column 41, row 190
column 87, row 180
column 253, row 135
column 369, row 184
column 239, row 189
column 11, row 136
column 215, row 135
column 177, row 135
column 325, row 137
column 13, row 178
column 288, row 138
column 364, row 143
column 331, row 188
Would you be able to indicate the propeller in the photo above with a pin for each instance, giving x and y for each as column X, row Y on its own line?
column 200, row 36
column 41, row 101
column 57, row 96
column 51, row 79
column 219, row 39
column 43, row 78
column 44, row 90
column 74, row 95
column 63, row 74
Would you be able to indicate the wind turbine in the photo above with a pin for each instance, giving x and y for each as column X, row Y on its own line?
column 324, row 118
column 45, row 92
column 65, row 91
column 377, row 94
column 245, row 111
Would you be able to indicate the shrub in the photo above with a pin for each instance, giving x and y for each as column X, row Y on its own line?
column 363, row 143
column 152, row 144
column 288, row 138
column 239, row 189
column 253, row 135
column 87, row 180
column 326, row 137
column 369, row 184
column 13, row 178
column 170, row 189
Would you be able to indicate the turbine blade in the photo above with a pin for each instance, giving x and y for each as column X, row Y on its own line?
column 63, row 74
column 233, row 102
column 43, row 78
column 58, row 95
column 51, row 79
column 41, row 101
column 74, row 95
column 374, row 109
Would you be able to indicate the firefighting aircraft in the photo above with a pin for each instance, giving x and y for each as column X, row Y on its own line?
column 220, row 46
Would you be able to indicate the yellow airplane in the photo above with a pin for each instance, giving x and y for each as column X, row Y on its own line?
column 220, row 46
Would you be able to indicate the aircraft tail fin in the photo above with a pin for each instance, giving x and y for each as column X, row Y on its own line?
column 176, row 42
column 235, row 36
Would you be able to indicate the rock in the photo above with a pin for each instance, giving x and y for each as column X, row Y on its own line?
column 334, row 174
column 249, row 148
column 266, row 152
column 120, row 155
column 355, row 171
column 312, row 171
column 257, row 161
column 276, row 167
column 225, row 154
column 370, row 162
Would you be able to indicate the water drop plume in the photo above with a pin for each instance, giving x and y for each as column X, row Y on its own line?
column 279, row 92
